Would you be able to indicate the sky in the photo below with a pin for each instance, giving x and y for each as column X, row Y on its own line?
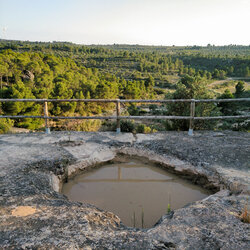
column 146, row 22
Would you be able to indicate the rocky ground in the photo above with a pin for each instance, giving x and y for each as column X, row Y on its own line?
column 33, row 214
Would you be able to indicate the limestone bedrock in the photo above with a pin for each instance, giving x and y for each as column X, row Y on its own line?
column 33, row 214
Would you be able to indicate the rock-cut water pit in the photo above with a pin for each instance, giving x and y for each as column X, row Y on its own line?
column 136, row 190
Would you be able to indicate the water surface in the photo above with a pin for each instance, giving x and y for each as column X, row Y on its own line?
column 133, row 190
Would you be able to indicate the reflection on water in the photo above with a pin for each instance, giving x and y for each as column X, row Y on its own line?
column 133, row 188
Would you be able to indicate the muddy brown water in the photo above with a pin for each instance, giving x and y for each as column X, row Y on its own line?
column 133, row 190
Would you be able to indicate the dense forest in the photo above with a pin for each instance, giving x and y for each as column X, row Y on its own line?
column 62, row 70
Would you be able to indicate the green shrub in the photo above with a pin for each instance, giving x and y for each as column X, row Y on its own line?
column 168, row 124
column 108, row 126
column 142, row 112
column 152, row 107
column 159, row 91
column 127, row 126
column 147, row 130
column 142, row 128
column 236, row 125
column 133, row 109
column 5, row 125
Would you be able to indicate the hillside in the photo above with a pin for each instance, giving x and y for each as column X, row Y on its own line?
column 66, row 71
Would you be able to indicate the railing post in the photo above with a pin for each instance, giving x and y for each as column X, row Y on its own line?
column 118, row 124
column 191, row 121
column 46, row 114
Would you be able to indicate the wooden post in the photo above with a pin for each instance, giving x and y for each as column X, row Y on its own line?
column 118, row 124
column 46, row 114
column 191, row 121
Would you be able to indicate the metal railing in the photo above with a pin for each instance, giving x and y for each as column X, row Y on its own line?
column 118, row 117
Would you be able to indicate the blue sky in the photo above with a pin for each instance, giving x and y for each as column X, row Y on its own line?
column 156, row 22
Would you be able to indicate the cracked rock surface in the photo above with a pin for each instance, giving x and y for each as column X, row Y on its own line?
column 34, row 215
